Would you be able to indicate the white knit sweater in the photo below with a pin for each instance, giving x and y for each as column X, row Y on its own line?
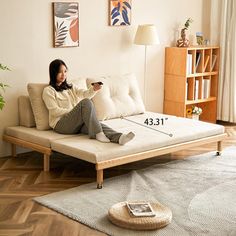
column 60, row 103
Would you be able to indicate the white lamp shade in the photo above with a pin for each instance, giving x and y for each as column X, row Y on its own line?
column 146, row 35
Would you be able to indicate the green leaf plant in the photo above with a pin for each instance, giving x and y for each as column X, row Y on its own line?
column 187, row 23
column 2, row 87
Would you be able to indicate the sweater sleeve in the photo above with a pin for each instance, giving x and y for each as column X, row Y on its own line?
column 84, row 93
column 49, row 99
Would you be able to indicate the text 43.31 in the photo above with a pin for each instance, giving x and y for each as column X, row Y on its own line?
column 155, row 121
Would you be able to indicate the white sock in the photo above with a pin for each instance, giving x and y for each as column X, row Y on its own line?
column 102, row 137
column 125, row 138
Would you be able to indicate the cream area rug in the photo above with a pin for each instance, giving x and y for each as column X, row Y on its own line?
column 200, row 191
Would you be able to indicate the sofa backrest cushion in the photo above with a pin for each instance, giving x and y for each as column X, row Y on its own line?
column 26, row 116
column 119, row 96
column 39, row 108
column 40, row 111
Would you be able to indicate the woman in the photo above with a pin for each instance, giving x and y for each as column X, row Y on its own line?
column 69, row 115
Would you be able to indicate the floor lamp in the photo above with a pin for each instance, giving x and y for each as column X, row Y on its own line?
column 146, row 35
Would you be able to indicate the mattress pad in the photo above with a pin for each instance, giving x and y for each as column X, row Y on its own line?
column 152, row 131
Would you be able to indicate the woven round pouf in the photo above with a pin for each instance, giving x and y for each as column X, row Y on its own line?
column 119, row 215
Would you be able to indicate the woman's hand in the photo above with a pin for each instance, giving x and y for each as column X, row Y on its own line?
column 97, row 86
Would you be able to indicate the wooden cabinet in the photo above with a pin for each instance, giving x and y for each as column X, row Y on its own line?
column 191, row 79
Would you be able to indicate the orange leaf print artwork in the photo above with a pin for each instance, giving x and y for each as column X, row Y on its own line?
column 74, row 30
column 115, row 3
column 66, row 24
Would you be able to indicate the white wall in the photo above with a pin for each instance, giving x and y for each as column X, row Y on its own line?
column 26, row 46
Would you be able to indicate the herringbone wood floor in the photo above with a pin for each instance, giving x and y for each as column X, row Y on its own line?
column 22, row 178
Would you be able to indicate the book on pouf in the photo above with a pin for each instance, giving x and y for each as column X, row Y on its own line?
column 140, row 209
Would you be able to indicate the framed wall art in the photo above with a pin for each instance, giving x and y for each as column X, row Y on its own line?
column 66, row 24
column 120, row 12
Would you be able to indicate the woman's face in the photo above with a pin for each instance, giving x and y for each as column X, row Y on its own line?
column 62, row 74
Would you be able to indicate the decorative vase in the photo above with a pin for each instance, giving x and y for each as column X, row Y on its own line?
column 195, row 117
column 183, row 41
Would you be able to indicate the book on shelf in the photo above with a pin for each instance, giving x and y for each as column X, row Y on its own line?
column 198, row 57
column 213, row 62
column 206, row 88
column 202, row 91
column 189, row 63
column 186, row 92
column 207, row 57
column 196, row 89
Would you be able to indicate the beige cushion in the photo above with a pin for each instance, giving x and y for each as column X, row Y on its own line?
column 119, row 96
column 33, row 135
column 26, row 116
column 38, row 106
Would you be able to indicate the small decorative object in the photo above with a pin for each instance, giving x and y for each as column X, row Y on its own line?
column 66, row 24
column 183, row 41
column 119, row 12
column 194, row 112
column 199, row 37
column 2, row 87
column 207, row 42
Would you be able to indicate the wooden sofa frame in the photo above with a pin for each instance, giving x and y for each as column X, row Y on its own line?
column 100, row 166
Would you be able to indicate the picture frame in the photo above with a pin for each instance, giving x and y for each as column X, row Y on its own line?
column 120, row 12
column 65, row 24
column 199, row 37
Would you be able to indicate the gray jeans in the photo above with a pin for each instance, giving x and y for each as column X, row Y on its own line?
column 82, row 119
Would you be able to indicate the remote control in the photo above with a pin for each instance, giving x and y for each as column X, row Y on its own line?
column 100, row 83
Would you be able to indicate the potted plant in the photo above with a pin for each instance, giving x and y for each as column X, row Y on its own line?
column 2, row 87
column 183, row 41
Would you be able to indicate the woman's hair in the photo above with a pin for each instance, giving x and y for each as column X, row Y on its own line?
column 54, row 69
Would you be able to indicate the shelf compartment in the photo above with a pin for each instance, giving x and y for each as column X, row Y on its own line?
column 190, row 88
column 199, row 61
column 190, row 68
column 214, row 60
column 207, row 60
column 208, row 110
column 214, row 85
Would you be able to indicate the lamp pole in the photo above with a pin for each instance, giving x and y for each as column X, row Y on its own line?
column 146, row 35
column 144, row 76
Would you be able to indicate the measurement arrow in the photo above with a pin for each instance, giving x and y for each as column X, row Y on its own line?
column 170, row 135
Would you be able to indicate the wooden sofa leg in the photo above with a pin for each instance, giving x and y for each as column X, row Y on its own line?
column 46, row 162
column 219, row 148
column 13, row 150
column 99, row 179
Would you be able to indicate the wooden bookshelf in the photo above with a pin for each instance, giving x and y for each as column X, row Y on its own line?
column 191, row 79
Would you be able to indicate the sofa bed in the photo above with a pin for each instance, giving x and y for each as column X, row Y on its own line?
column 119, row 105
